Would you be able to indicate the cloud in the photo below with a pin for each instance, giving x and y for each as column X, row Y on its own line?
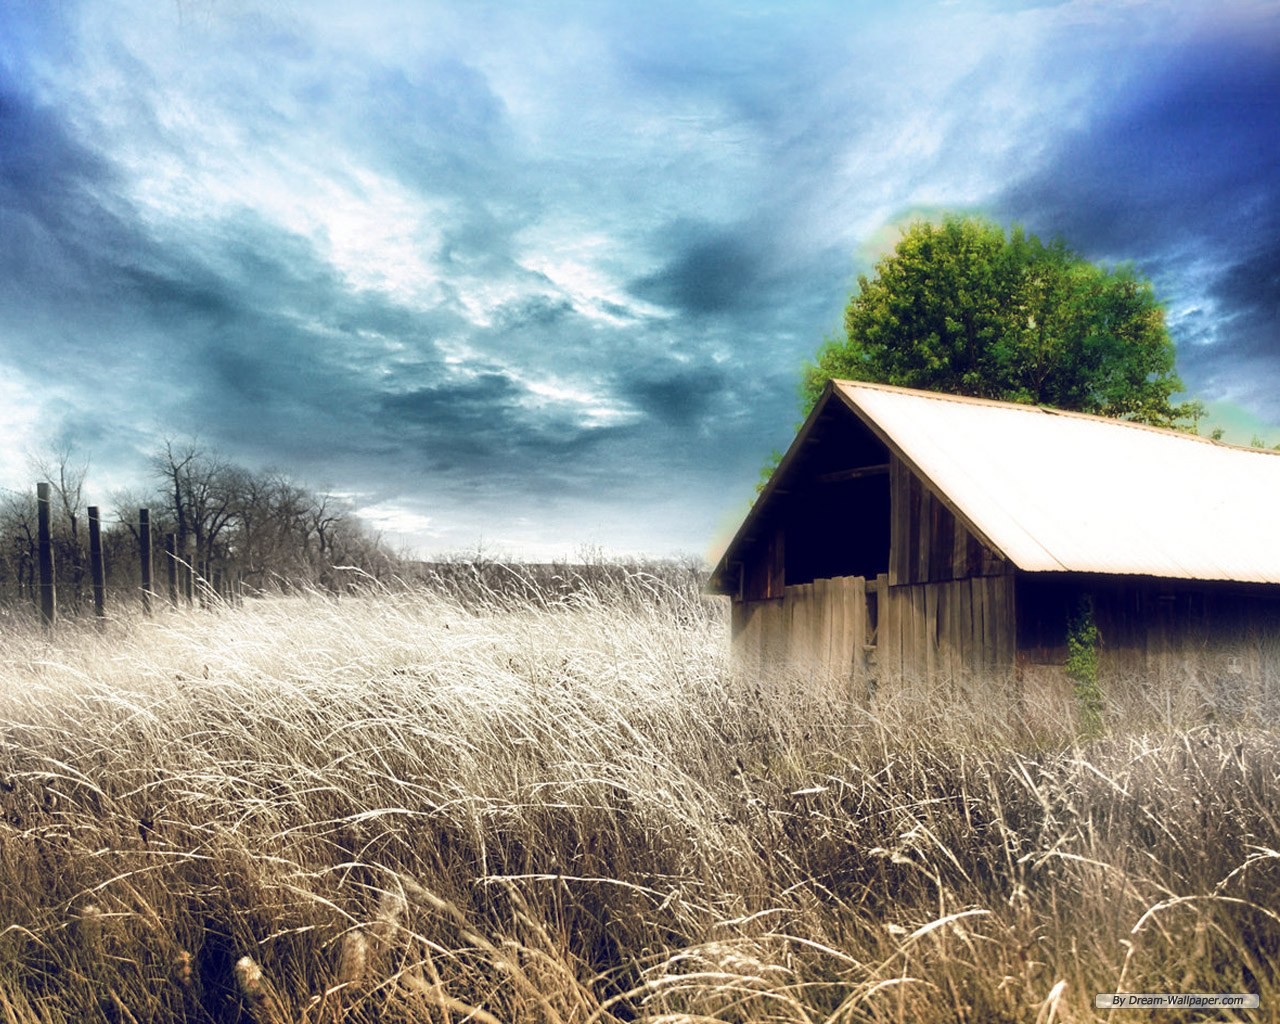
column 1178, row 174
column 710, row 272
column 683, row 394
column 466, row 260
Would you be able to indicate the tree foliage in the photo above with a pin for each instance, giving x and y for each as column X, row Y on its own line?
column 966, row 308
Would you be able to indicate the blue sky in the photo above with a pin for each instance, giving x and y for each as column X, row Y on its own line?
column 543, row 276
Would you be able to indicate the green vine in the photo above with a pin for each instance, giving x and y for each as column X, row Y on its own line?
column 1082, row 665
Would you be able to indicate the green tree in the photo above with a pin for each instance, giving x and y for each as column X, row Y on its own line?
column 966, row 308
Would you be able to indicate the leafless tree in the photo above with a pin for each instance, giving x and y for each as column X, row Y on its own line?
column 18, row 528
column 65, row 472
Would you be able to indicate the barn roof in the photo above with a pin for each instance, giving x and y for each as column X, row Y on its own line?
column 1057, row 491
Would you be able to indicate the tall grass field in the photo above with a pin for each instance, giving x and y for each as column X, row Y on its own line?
column 567, row 807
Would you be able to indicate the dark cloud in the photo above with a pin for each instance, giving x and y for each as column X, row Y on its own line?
column 181, row 301
column 1250, row 287
column 251, row 341
column 1179, row 175
column 680, row 394
column 1191, row 150
column 487, row 438
column 711, row 272
column 538, row 311
column 456, row 422
column 64, row 236
column 1237, row 353
column 42, row 169
column 204, row 340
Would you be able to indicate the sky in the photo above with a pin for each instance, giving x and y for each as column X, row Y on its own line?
column 541, row 278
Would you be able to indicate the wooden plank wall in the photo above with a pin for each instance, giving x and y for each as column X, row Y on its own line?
column 764, row 576
column 1186, row 648
column 1223, row 659
column 927, row 543
column 926, row 633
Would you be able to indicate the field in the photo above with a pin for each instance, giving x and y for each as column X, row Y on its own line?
column 404, row 806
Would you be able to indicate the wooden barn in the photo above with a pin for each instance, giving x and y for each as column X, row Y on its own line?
column 909, row 535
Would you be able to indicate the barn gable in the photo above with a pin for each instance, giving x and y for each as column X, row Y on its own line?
column 828, row 510
column 1046, row 490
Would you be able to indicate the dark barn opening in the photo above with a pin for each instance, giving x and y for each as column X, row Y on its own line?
column 835, row 518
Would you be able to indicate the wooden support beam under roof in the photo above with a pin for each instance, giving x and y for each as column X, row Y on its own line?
column 856, row 473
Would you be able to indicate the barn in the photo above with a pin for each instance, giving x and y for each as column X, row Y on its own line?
column 916, row 536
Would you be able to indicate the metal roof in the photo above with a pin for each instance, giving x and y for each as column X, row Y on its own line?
column 1057, row 491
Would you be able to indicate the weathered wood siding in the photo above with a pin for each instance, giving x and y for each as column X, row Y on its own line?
column 927, row 543
column 763, row 578
column 944, row 611
column 1194, row 646
column 867, row 633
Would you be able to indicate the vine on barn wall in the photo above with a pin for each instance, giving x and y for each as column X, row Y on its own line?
column 1082, row 665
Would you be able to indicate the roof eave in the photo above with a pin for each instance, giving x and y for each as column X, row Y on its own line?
column 961, row 515
column 716, row 583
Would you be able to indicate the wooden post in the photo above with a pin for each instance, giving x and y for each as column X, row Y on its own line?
column 96, row 569
column 171, row 567
column 144, row 548
column 48, row 609
column 188, row 577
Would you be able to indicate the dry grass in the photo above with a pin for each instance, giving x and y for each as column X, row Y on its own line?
column 394, row 808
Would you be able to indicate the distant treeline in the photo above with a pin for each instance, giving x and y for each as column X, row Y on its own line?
column 254, row 531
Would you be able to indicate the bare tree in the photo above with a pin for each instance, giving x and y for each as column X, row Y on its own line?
column 18, row 515
column 203, row 492
column 65, row 473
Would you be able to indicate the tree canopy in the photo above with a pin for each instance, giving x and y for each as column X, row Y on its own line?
column 966, row 308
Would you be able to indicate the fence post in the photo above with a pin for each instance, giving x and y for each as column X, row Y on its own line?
column 171, row 567
column 48, row 609
column 144, row 549
column 96, row 569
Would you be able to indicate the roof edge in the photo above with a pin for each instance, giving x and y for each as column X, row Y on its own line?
column 851, row 402
column 1048, row 410
column 715, row 582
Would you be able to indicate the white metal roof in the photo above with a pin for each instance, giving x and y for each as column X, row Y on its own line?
column 1058, row 491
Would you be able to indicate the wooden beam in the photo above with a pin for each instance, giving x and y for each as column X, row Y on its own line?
column 96, row 570
column 144, row 556
column 857, row 473
column 44, row 534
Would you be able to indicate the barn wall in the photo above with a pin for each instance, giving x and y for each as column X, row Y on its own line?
column 818, row 629
column 921, row 634
column 927, row 543
column 763, row 578
column 1206, row 646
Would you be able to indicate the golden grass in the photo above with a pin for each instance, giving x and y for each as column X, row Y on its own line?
column 395, row 807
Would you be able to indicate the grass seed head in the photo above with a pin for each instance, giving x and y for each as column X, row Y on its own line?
column 182, row 969
column 90, row 926
column 249, row 978
column 353, row 959
column 391, row 906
